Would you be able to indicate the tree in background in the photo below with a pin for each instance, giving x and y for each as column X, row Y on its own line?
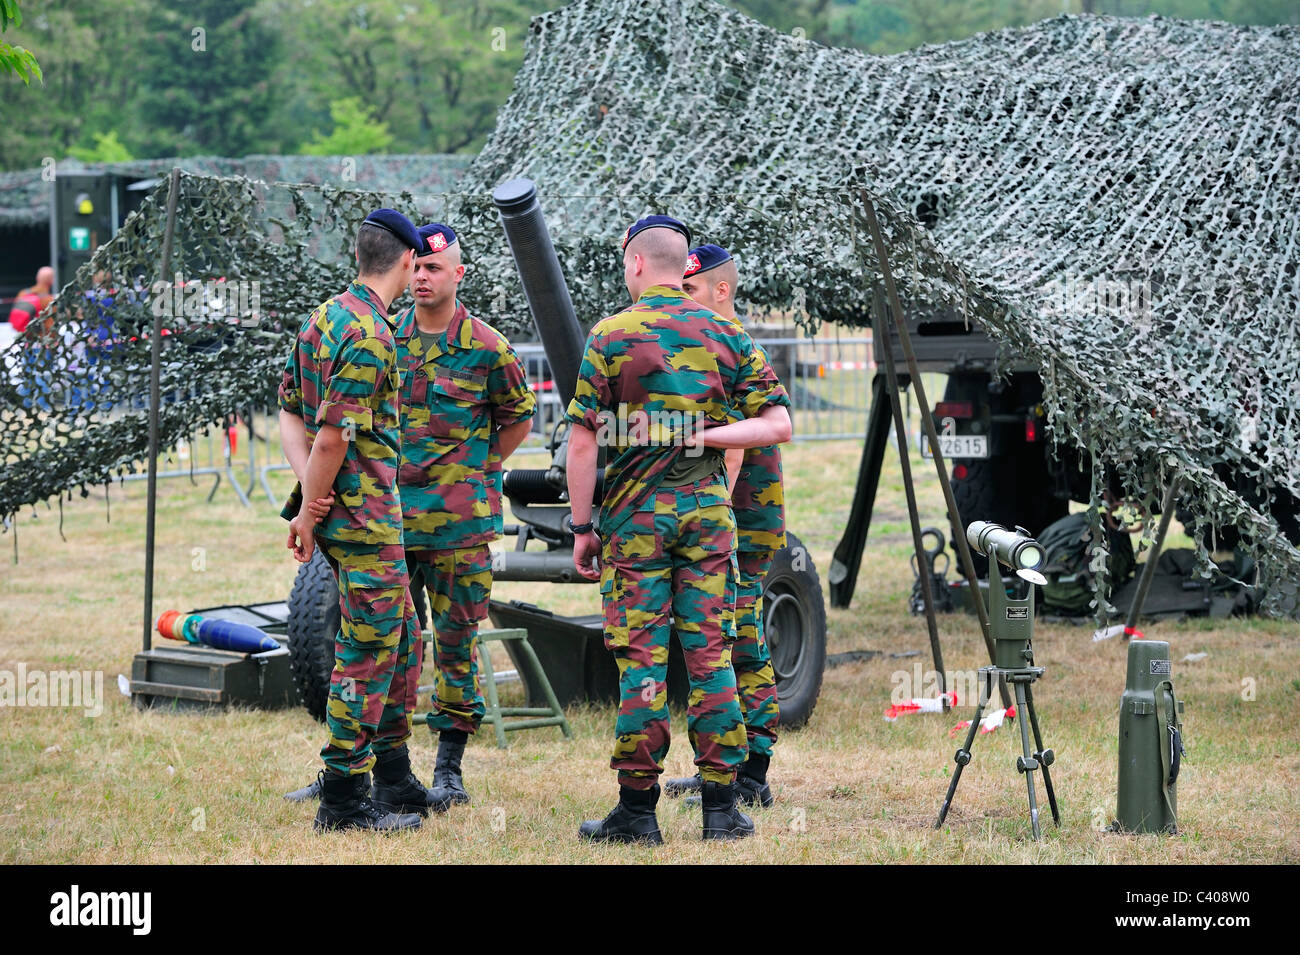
column 234, row 77
column 107, row 148
column 435, row 73
column 812, row 17
column 86, row 88
column 16, row 59
column 208, row 90
column 356, row 132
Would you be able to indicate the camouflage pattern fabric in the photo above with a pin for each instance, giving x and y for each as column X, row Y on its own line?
column 758, row 498
column 672, row 565
column 671, row 365
column 660, row 368
column 342, row 372
column 459, row 583
column 755, row 677
column 377, row 656
column 454, row 398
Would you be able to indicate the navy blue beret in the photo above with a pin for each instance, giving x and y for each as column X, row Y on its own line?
column 705, row 257
column 436, row 237
column 393, row 221
column 656, row 222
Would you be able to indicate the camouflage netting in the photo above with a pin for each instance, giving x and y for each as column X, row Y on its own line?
column 25, row 195
column 1112, row 199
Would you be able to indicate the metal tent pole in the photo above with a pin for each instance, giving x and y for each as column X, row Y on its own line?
column 904, row 456
column 1149, row 568
column 155, row 359
column 940, row 466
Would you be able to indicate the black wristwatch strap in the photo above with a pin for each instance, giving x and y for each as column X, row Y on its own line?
column 586, row 528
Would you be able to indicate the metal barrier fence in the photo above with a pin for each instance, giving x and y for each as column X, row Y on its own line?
column 829, row 381
column 244, row 450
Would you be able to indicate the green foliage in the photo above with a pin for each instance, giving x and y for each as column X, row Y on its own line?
column 107, row 148
column 356, row 132
column 435, row 74
column 236, row 77
column 15, row 59
column 207, row 91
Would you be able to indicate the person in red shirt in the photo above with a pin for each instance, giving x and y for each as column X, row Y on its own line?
column 30, row 302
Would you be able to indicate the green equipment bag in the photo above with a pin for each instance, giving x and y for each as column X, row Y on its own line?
column 1067, row 543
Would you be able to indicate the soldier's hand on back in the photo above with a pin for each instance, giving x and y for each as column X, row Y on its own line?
column 302, row 539
column 586, row 555
column 320, row 508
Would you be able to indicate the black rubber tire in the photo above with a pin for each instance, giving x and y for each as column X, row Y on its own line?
column 794, row 611
column 313, row 625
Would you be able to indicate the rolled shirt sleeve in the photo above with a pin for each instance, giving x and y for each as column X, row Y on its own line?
column 592, row 393
column 290, row 391
column 757, row 385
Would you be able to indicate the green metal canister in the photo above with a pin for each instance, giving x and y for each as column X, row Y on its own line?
column 1150, row 742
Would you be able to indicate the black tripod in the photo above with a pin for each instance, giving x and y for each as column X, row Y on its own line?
column 1039, row 758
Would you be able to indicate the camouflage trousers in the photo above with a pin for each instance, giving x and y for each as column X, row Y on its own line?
column 672, row 566
column 377, row 656
column 459, row 584
column 755, row 677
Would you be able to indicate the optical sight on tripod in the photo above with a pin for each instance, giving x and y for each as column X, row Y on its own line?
column 1011, row 624
column 1016, row 550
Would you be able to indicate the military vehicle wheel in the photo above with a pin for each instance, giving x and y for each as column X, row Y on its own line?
column 794, row 612
column 312, row 627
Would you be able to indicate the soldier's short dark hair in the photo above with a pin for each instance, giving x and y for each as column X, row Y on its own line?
column 377, row 249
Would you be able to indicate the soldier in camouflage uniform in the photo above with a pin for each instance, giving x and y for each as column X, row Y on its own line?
column 662, row 384
column 339, row 426
column 466, row 406
column 758, row 500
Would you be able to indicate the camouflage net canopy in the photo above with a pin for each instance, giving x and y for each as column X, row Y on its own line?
column 1112, row 199
column 250, row 260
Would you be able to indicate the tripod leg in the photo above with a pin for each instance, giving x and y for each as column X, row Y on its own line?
column 962, row 757
column 1045, row 757
column 1027, row 764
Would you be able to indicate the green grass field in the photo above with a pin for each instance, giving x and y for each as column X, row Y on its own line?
column 127, row 786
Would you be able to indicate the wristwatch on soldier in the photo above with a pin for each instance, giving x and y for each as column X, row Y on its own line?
column 579, row 529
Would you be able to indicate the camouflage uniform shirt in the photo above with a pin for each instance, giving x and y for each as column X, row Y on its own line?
column 664, row 360
column 343, row 372
column 454, row 398
column 759, row 498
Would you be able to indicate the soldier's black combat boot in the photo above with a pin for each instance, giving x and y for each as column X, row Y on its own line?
column 632, row 820
column 397, row 789
column 751, row 782
column 448, row 787
column 345, row 804
column 683, row 785
column 722, row 818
